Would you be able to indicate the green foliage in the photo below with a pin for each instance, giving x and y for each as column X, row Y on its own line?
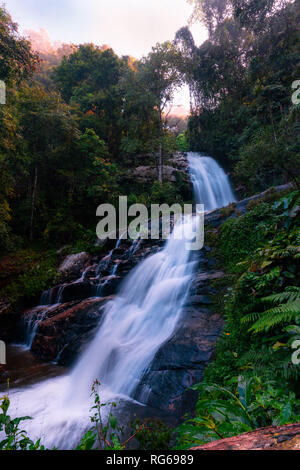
column 105, row 433
column 65, row 147
column 267, row 270
column 241, row 406
column 17, row 59
column 164, row 193
column 152, row 434
column 241, row 79
column 182, row 143
column 15, row 437
column 288, row 310
column 27, row 273
column 239, row 237
column 256, row 345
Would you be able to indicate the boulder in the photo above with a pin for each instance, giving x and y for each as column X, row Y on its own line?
column 73, row 266
column 175, row 170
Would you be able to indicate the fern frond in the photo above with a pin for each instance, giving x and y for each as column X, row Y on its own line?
column 277, row 315
column 251, row 317
column 291, row 294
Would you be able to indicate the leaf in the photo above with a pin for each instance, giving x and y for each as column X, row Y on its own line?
column 113, row 421
column 286, row 413
column 88, row 441
column 266, row 264
column 278, row 345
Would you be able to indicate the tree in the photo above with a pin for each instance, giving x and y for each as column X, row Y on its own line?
column 17, row 59
column 48, row 130
column 89, row 78
column 211, row 12
column 256, row 14
column 160, row 75
column 138, row 117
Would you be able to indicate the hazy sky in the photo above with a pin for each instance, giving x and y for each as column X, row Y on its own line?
column 130, row 27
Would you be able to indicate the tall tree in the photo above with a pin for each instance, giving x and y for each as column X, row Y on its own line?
column 160, row 73
column 89, row 78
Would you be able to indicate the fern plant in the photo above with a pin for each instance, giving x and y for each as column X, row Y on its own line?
column 287, row 309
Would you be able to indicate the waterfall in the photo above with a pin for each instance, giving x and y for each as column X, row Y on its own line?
column 136, row 323
column 146, row 311
column 211, row 184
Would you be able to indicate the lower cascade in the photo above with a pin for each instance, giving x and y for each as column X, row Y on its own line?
column 136, row 323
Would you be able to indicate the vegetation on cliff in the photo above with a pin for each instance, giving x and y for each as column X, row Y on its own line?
column 254, row 380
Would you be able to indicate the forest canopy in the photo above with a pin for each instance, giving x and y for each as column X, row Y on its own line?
column 77, row 119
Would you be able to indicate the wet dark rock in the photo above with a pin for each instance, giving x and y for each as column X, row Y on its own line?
column 73, row 266
column 180, row 362
column 199, row 300
column 4, row 376
column 110, row 285
column 76, row 291
column 65, row 333
column 201, row 284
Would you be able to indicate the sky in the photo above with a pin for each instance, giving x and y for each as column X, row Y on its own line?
column 130, row 27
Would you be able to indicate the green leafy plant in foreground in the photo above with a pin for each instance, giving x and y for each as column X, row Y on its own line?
column 106, row 433
column 15, row 437
column 152, row 434
column 223, row 412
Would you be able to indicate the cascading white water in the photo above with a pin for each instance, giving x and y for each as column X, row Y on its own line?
column 138, row 321
column 135, row 324
column 211, row 184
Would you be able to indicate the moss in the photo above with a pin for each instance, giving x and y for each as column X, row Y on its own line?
column 227, row 211
column 254, row 203
column 211, row 237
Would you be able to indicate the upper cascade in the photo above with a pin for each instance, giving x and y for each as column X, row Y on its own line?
column 211, row 184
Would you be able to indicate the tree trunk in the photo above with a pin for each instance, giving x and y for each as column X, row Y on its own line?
column 160, row 150
column 271, row 438
column 33, row 202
